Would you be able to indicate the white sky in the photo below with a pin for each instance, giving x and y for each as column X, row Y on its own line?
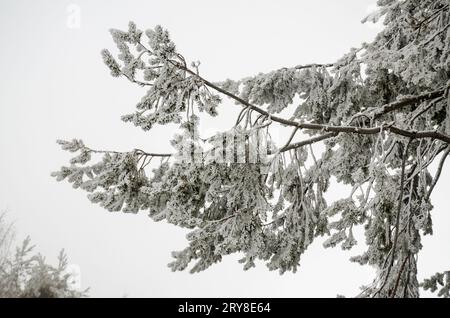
column 54, row 85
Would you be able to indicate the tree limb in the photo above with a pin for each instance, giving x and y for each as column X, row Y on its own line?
column 349, row 129
column 438, row 173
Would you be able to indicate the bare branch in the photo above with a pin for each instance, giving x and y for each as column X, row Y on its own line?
column 438, row 173
column 137, row 151
column 394, row 291
column 308, row 141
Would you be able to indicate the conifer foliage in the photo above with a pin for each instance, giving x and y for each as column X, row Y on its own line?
column 381, row 114
column 25, row 274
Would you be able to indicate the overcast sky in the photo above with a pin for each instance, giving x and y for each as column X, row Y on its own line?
column 54, row 85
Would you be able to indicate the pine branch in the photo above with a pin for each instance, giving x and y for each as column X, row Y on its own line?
column 397, row 220
column 348, row 129
column 396, row 105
